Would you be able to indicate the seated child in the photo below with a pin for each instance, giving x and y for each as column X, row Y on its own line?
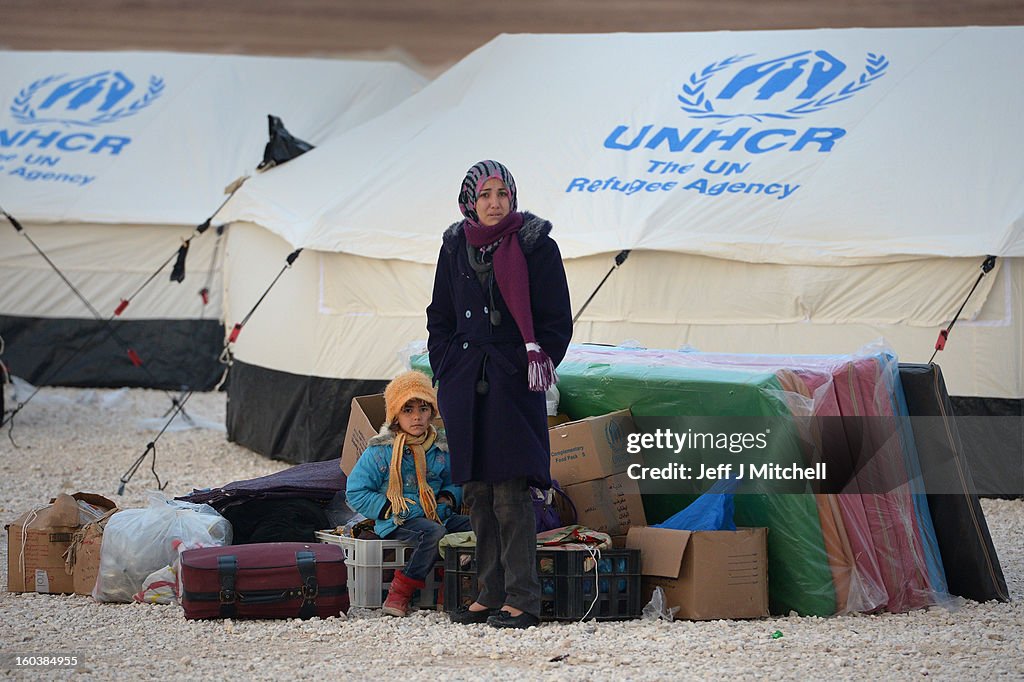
column 403, row 480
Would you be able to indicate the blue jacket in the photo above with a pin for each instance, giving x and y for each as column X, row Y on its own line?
column 367, row 487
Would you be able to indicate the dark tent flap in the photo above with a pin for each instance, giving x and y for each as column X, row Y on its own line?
column 282, row 147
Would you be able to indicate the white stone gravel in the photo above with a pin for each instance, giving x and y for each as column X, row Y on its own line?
column 74, row 439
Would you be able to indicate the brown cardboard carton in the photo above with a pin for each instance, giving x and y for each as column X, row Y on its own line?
column 556, row 419
column 364, row 422
column 38, row 540
column 85, row 555
column 592, row 448
column 610, row 505
column 35, row 559
column 707, row 574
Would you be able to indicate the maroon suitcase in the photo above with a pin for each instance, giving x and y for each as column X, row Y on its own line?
column 268, row 580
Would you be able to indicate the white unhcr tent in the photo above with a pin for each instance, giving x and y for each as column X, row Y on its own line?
column 110, row 160
column 781, row 192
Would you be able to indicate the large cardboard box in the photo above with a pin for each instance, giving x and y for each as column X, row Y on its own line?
column 610, row 505
column 591, row 448
column 708, row 574
column 38, row 540
column 364, row 422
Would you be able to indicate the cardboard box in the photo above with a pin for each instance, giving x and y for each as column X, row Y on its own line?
column 592, row 448
column 708, row 574
column 556, row 419
column 610, row 505
column 364, row 422
column 86, row 545
column 38, row 540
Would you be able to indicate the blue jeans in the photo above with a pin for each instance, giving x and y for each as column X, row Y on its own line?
column 425, row 534
column 506, row 544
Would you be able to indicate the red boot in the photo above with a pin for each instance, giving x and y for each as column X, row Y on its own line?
column 402, row 587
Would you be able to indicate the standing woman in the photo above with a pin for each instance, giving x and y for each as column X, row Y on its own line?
column 498, row 323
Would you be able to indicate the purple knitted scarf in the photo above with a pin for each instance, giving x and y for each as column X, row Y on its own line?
column 510, row 271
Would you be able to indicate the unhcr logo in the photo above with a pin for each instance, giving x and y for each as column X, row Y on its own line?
column 92, row 100
column 614, row 436
column 786, row 87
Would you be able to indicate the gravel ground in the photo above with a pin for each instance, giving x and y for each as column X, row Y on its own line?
column 83, row 440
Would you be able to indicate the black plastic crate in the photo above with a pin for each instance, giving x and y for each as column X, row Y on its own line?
column 568, row 583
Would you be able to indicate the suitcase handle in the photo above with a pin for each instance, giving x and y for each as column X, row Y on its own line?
column 227, row 568
column 306, row 561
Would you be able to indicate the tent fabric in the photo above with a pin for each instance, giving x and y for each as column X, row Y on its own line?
column 290, row 417
column 992, row 433
column 45, row 352
column 883, row 238
column 792, row 147
column 153, row 138
column 111, row 159
column 52, row 337
column 350, row 315
column 107, row 263
column 894, row 194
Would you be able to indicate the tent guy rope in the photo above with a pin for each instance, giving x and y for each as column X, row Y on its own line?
column 940, row 343
column 105, row 325
column 178, row 275
column 619, row 260
column 179, row 404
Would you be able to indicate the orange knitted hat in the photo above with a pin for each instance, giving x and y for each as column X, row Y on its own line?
column 403, row 388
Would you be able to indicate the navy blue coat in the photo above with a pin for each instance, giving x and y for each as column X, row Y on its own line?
column 502, row 434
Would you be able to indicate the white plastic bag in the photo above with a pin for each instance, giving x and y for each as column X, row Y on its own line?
column 159, row 587
column 655, row 609
column 164, row 585
column 138, row 542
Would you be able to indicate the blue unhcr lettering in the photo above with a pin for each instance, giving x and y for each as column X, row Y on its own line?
column 725, row 167
column 671, row 136
column 663, row 167
column 760, row 142
column 702, row 186
column 71, row 142
column 825, row 138
column 752, row 144
column 611, row 142
column 34, row 175
column 727, row 140
column 614, row 184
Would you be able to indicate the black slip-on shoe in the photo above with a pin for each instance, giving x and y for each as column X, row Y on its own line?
column 463, row 616
column 504, row 619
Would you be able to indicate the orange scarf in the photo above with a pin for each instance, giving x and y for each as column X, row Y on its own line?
column 419, row 447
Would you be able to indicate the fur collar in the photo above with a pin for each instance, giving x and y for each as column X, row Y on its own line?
column 386, row 437
column 529, row 234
